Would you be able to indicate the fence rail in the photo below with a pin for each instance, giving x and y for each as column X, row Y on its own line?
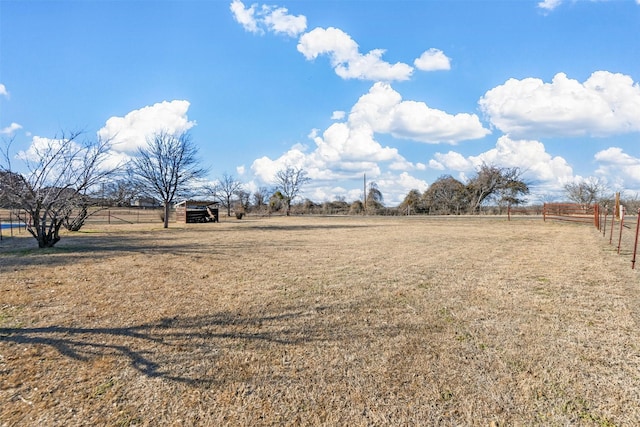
column 125, row 216
column 11, row 223
column 621, row 229
column 572, row 212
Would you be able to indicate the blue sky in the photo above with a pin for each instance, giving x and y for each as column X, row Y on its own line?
column 404, row 91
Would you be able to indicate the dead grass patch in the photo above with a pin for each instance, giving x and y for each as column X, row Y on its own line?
column 320, row 321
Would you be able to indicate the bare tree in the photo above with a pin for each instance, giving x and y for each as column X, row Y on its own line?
column 289, row 182
column 226, row 189
column 118, row 192
column 261, row 198
column 244, row 200
column 585, row 192
column 60, row 175
column 167, row 168
column 493, row 181
column 109, row 193
column 512, row 189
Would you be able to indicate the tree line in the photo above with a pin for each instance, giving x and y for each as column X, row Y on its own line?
column 66, row 179
column 62, row 181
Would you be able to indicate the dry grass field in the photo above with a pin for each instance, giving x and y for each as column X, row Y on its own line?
column 320, row 321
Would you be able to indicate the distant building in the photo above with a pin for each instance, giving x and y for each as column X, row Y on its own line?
column 145, row 202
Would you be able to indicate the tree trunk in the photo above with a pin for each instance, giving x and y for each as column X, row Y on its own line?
column 76, row 223
column 48, row 236
column 166, row 214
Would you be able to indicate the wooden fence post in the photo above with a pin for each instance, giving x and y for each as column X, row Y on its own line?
column 621, row 227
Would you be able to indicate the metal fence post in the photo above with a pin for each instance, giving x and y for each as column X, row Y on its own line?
column 613, row 223
column 635, row 245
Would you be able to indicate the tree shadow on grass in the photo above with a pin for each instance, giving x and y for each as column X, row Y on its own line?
column 23, row 252
column 174, row 349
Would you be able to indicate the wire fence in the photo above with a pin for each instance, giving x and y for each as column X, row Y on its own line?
column 126, row 215
column 15, row 222
column 11, row 223
column 619, row 227
column 622, row 232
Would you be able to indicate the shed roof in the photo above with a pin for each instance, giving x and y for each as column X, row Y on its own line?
column 196, row 203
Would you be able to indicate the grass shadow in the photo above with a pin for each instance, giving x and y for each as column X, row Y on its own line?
column 170, row 347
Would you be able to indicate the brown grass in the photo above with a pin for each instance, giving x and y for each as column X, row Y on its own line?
column 320, row 321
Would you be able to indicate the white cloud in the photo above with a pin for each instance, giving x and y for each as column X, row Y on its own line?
column 605, row 104
column 10, row 130
column 344, row 151
column 615, row 156
column 39, row 145
column 385, row 111
column 130, row 132
column 274, row 19
column 3, row 90
column 432, row 60
column 347, row 149
column 116, row 159
column 346, row 59
column 342, row 50
column 395, row 187
column 546, row 174
column 614, row 162
column 338, row 115
column 436, row 165
column 408, row 183
column 279, row 21
column 539, row 167
column 245, row 16
column 42, row 148
column 549, row 4
column 454, row 161
column 265, row 168
column 530, row 156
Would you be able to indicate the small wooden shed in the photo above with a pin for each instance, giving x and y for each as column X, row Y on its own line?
column 189, row 211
